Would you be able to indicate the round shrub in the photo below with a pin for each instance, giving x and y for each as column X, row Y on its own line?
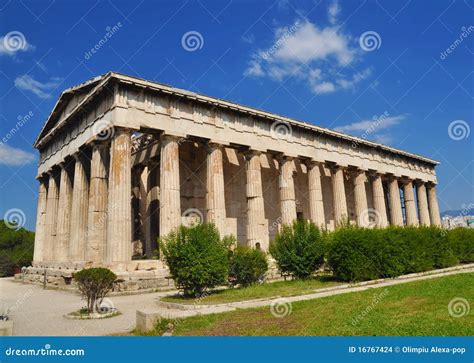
column 298, row 249
column 94, row 284
column 197, row 258
column 247, row 266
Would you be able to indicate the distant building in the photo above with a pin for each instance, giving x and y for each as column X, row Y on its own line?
column 451, row 222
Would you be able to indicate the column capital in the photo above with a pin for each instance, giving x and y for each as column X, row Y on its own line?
column 250, row 153
column 312, row 162
column 167, row 137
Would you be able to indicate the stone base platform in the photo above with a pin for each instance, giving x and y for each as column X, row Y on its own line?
column 132, row 277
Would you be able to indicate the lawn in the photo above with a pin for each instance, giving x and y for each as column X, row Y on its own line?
column 268, row 290
column 416, row 308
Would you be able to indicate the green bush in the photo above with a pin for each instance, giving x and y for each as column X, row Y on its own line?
column 247, row 266
column 16, row 248
column 197, row 258
column 357, row 254
column 461, row 241
column 298, row 249
column 94, row 284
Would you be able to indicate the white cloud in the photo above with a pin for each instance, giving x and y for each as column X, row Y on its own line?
column 333, row 12
column 321, row 57
column 15, row 157
column 14, row 42
column 40, row 89
column 377, row 123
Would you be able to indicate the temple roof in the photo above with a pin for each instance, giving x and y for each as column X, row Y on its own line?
column 84, row 92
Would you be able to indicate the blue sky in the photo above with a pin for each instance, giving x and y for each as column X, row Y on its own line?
column 345, row 65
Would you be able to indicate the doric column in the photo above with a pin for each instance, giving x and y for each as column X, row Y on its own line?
column 379, row 201
column 423, row 211
column 433, row 206
column 170, row 195
column 98, row 202
column 316, row 206
column 287, row 191
column 51, row 216
column 61, row 248
column 395, row 202
column 143, row 204
column 255, row 205
column 79, row 210
column 339, row 195
column 40, row 221
column 410, row 207
column 360, row 199
column 119, row 211
column 215, row 197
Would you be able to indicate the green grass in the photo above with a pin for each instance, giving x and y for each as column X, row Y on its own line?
column 268, row 290
column 416, row 308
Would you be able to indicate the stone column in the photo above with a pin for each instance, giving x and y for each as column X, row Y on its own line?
column 287, row 191
column 98, row 202
column 379, row 201
column 410, row 207
column 119, row 211
column 433, row 206
column 51, row 216
column 360, row 199
column 61, row 249
column 143, row 211
column 339, row 195
column 40, row 221
column 423, row 211
column 170, row 194
column 215, row 196
column 395, row 203
column 79, row 211
column 255, row 204
column 316, row 206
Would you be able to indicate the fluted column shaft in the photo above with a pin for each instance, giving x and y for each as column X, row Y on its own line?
column 51, row 217
column 396, row 215
column 255, row 204
column 170, row 194
column 98, row 202
column 316, row 206
column 119, row 221
column 379, row 201
column 79, row 211
column 143, row 211
column 40, row 222
column 423, row 211
column 339, row 195
column 433, row 206
column 61, row 249
column 410, row 207
column 215, row 196
column 360, row 199
column 287, row 191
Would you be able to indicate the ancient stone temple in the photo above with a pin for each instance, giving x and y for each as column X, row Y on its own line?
column 124, row 161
